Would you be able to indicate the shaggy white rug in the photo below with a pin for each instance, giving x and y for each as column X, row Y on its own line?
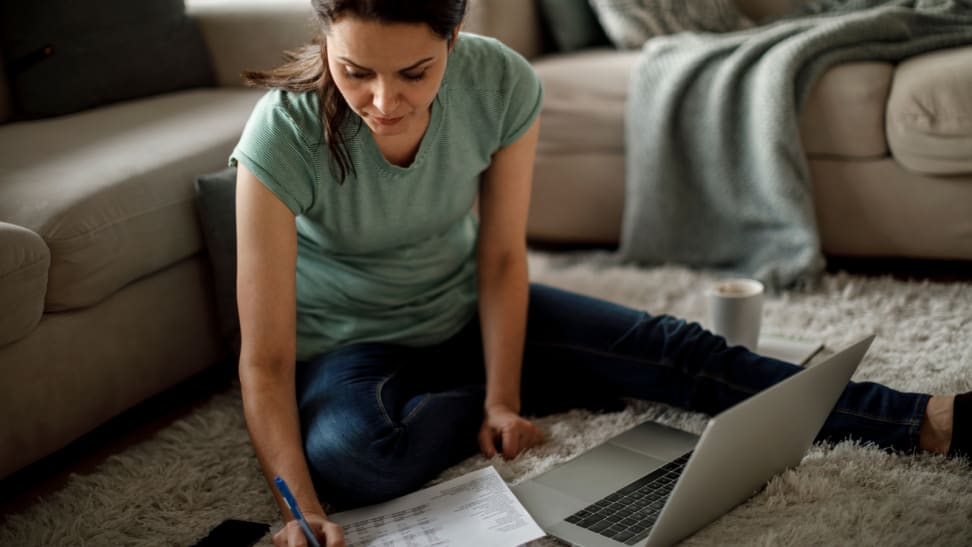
column 171, row 489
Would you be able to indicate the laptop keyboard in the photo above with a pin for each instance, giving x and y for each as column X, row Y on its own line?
column 628, row 514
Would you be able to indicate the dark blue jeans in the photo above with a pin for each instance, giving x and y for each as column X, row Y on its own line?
column 380, row 420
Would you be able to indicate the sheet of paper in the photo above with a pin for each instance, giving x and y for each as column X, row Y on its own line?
column 476, row 509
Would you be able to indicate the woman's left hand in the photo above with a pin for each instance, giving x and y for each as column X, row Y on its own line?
column 505, row 430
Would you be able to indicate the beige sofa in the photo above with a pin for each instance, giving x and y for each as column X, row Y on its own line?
column 105, row 288
column 889, row 146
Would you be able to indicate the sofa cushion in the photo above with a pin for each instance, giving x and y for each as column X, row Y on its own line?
column 844, row 111
column 842, row 116
column 578, row 187
column 111, row 190
column 64, row 56
column 577, row 198
column 584, row 113
column 929, row 117
column 24, row 260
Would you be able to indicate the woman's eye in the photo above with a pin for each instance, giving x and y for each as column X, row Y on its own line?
column 410, row 76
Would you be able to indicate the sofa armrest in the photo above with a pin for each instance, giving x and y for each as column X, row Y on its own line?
column 24, row 262
column 246, row 35
column 516, row 23
column 929, row 112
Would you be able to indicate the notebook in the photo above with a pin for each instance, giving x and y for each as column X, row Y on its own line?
column 655, row 485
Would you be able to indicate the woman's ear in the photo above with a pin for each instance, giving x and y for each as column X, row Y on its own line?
column 455, row 37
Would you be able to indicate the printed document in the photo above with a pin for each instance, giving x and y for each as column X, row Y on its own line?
column 476, row 509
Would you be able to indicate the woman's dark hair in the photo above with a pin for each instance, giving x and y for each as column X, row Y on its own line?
column 305, row 68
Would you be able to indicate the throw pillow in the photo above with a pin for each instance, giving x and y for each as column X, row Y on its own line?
column 216, row 201
column 63, row 56
column 572, row 24
column 629, row 23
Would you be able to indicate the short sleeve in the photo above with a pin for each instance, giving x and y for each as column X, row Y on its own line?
column 525, row 97
column 281, row 148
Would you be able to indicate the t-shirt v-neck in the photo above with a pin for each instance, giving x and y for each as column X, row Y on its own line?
column 373, row 150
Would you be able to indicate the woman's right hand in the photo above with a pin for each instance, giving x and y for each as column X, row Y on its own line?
column 329, row 534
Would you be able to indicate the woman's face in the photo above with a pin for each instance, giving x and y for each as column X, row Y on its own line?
column 389, row 73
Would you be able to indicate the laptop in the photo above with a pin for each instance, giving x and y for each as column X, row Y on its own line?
column 655, row 485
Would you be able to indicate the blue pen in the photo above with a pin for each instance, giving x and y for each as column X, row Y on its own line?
column 292, row 504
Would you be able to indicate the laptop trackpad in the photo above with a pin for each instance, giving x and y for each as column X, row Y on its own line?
column 657, row 440
column 599, row 472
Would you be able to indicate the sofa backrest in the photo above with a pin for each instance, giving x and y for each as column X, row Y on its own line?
column 514, row 22
column 251, row 35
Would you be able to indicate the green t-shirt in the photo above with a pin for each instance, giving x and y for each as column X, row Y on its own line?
column 390, row 255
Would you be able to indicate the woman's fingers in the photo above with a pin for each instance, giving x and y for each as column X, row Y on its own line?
column 334, row 534
column 290, row 536
column 519, row 436
column 329, row 534
column 487, row 440
column 509, row 432
column 511, row 439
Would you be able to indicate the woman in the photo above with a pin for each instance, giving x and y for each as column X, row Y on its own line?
column 385, row 326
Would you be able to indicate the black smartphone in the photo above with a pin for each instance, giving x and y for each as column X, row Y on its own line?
column 234, row 533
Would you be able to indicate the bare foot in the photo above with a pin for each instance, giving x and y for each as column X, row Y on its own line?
column 935, row 433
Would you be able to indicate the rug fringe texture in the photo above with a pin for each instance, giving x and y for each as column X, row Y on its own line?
column 174, row 487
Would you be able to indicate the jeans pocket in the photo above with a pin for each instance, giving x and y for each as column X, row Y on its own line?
column 414, row 406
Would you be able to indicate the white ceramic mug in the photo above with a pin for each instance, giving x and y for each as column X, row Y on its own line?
column 736, row 310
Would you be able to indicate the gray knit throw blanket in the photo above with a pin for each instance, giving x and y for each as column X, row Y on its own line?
column 716, row 175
